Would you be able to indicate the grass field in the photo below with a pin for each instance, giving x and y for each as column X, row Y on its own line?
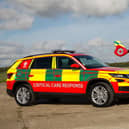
column 3, row 74
column 121, row 64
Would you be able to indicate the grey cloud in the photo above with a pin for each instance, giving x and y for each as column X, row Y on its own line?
column 50, row 8
column 97, row 47
column 101, row 49
column 7, row 14
column 47, row 46
column 10, row 48
column 20, row 14
column 9, row 52
column 12, row 19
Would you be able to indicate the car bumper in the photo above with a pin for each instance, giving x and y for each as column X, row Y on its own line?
column 124, row 88
column 122, row 95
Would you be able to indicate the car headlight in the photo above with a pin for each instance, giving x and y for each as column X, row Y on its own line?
column 120, row 75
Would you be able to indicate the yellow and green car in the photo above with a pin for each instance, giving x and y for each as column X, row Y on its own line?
column 66, row 73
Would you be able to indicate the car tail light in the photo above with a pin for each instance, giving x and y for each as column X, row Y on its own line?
column 9, row 75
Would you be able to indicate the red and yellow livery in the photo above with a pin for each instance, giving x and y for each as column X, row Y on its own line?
column 65, row 73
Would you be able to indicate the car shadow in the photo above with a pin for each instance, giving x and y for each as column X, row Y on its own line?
column 75, row 101
column 63, row 101
column 124, row 101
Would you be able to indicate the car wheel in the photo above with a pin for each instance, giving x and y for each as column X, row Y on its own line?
column 101, row 95
column 24, row 96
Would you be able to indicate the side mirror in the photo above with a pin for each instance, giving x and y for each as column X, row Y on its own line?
column 75, row 66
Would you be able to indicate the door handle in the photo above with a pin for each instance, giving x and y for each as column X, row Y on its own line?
column 30, row 75
column 57, row 75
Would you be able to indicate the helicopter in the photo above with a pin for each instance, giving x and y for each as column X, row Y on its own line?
column 120, row 49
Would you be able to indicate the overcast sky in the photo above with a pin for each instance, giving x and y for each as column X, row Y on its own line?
column 37, row 26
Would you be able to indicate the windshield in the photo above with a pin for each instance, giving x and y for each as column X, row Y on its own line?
column 90, row 62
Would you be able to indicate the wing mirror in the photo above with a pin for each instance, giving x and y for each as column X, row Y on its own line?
column 75, row 66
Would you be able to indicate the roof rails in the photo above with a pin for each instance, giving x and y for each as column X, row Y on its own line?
column 63, row 51
column 55, row 52
column 37, row 55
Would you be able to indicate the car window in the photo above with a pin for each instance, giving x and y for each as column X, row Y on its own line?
column 90, row 62
column 25, row 64
column 42, row 63
column 64, row 62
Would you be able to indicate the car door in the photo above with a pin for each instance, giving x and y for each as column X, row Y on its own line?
column 67, row 79
column 41, row 74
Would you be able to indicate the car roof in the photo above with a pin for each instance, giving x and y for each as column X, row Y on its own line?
column 75, row 54
column 57, row 52
column 69, row 53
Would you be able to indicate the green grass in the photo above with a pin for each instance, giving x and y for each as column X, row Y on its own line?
column 3, row 75
column 121, row 64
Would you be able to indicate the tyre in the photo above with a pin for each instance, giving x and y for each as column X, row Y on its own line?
column 24, row 96
column 101, row 94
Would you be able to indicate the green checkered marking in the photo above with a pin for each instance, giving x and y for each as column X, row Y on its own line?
column 49, row 75
column 22, row 74
column 87, row 75
column 58, row 72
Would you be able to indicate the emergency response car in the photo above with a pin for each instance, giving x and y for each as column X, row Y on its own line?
column 66, row 73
